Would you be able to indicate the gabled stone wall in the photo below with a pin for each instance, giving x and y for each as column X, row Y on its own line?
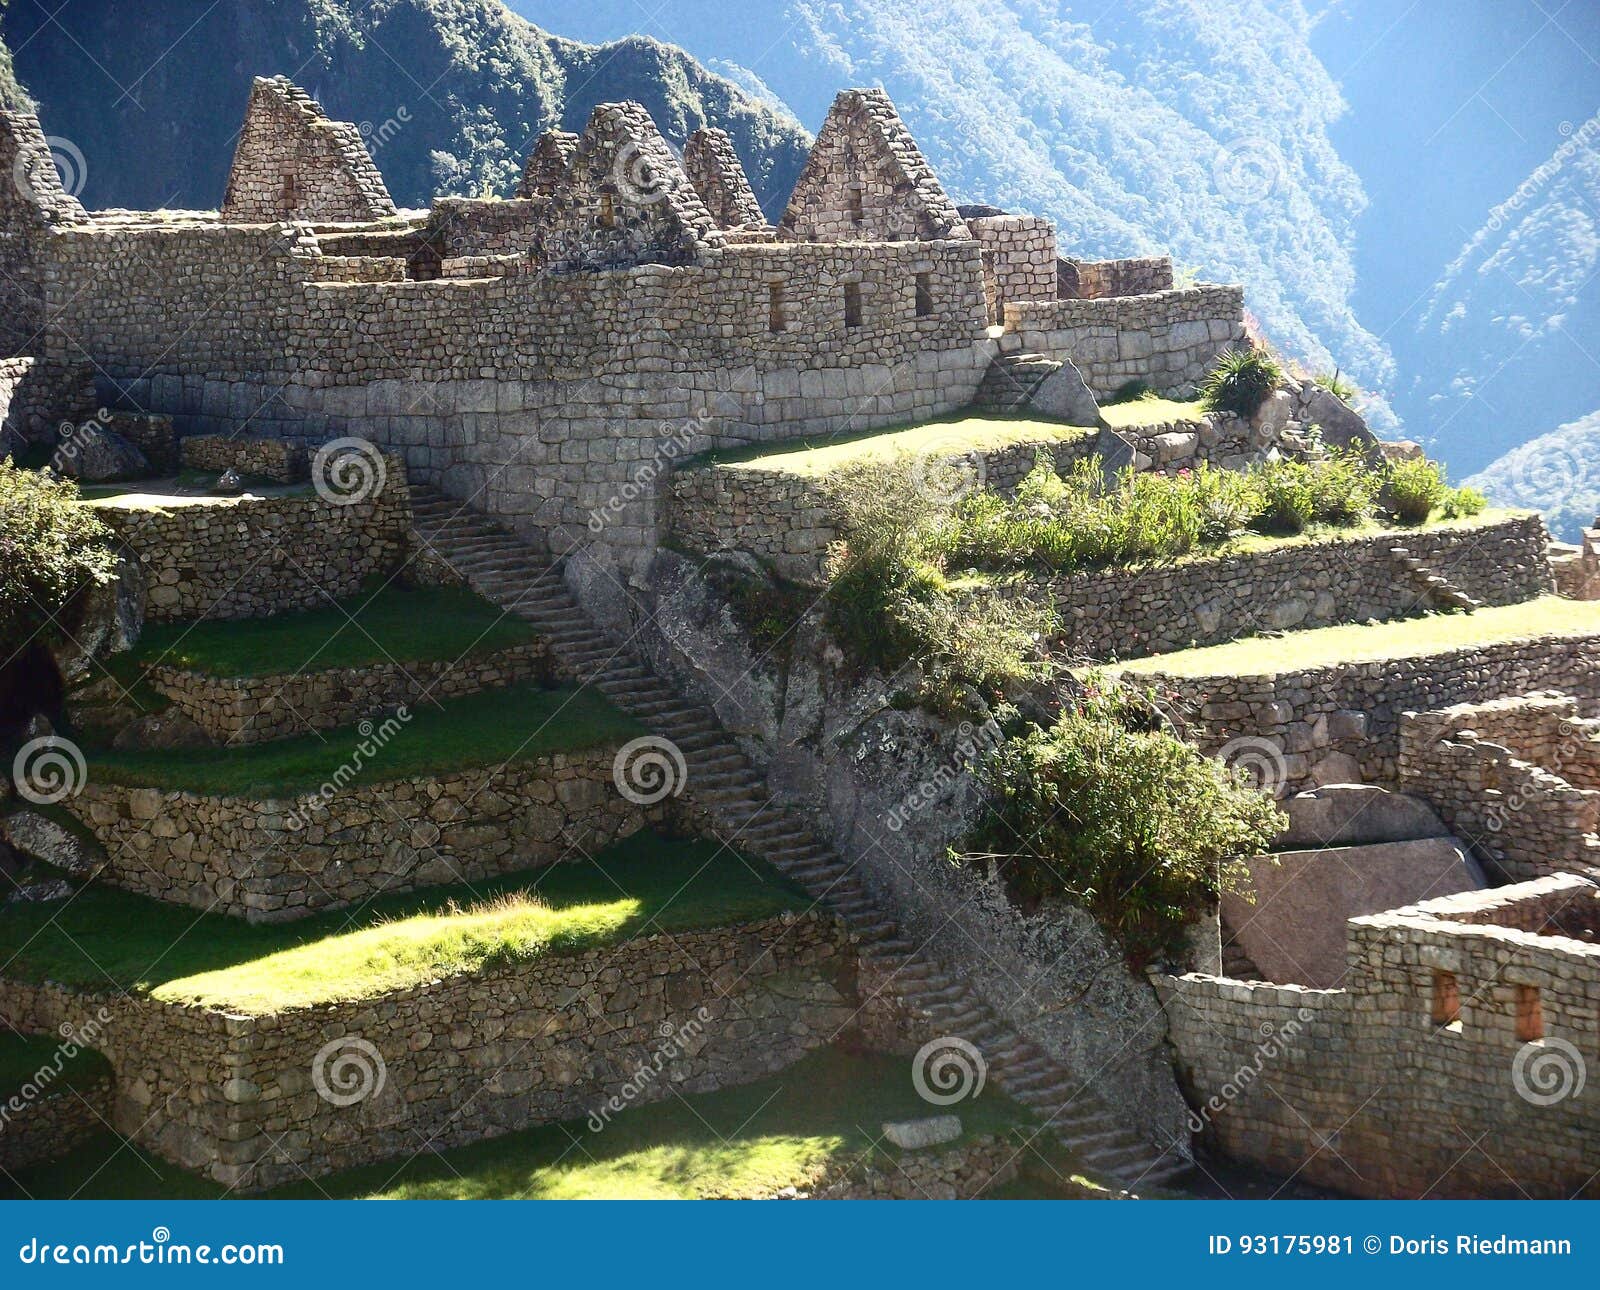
column 865, row 180
column 292, row 162
column 1019, row 259
column 545, row 170
column 713, row 168
column 32, row 202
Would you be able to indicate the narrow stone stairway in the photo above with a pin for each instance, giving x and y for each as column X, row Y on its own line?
column 1010, row 381
column 1443, row 593
column 498, row 566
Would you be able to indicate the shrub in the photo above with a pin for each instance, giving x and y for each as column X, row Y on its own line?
column 51, row 547
column 1288, row 497
column 1240, row 382
column 889, row 599
column 1462, row 503
column 1414, row 488
column 1132, row 823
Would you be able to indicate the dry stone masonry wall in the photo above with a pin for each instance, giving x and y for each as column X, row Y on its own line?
column 713, row 168
column 1408, row 1093
column 1101, row 279
column 270, row 860
column 559, row 1037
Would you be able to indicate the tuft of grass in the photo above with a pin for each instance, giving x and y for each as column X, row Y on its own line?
column 520, row 723
column 103, row 939
column 1241, row 381
column 398, row 624
column 784, row 1131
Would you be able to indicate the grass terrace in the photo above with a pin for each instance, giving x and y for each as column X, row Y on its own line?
column 190, row 488
column 751, row 1141
column 103, row 939
column 1151, row 411
column 393, row 624
column 520, row 723
column 1548, row 616
column 955, row 436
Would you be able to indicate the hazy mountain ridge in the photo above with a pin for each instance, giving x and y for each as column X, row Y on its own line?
column 451, row 94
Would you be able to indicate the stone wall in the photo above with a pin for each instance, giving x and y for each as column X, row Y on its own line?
column 1102, row 279
column 292, row 162
column 279, row 459
column 250, row 556
column 1371, row 1091
column 1169, row 339
column 553, row 401
column 465, row 226
column 713, row 168
column 1353, row 709
column 554, row 1038
column 545, row 170
column 865, row 180
column 1206, row 600
column 270, row 860
column 46, row 1127
column 32, row 203
column 238, row 710
column 786, row 519
column 36, row 398
column 1019, row 259
column 1516, row 776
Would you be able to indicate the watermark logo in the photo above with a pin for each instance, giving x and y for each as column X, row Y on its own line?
column 72, row 440
column 675, row 1041
column 948, row 1070
column 66, row 167
column 49, row 769
column 642, row 481
column 1547, row 1071
column 1274, row 1039
column 1547, row 479
column 376, row 136
column 649, row 769
column 346, row 471
column 970, row 743
column 1258, row 759
column 374, row 738
column 949, row 471
column 348, row 1070
column 74, row 1038
column 639, row 178
column 1248, row 170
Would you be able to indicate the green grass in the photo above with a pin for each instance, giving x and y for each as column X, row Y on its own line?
column 104, row 939
column 747, row 1141
column 515, row 724
column 951, row 436
column 40, row 1060
column 1362, row 642
column 399, row 624
column 1150, row 412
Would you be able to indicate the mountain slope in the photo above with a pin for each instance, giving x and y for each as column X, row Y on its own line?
column 450, row 93
column 1557, row 473
column 1514, row 318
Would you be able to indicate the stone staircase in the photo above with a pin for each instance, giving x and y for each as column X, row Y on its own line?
column 501, row 568
column 1443, row 593
column 1011, row 380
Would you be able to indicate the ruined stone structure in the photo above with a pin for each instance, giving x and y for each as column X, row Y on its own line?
column 293, row 163
column 538, row 374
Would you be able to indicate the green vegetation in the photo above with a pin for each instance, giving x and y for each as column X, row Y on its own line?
column 51, row 548
column 515, row 724
column 889, row 598
column 495, row 81
column 45, row 1063
column 755, row 1140
column 1363, row 642
column 1417, row 489
column 393, row 624
column 956, row 436
column 1241, row 381
column 1336, row 385
column 1084, row 519
column 643, row 885
column 1126, row 820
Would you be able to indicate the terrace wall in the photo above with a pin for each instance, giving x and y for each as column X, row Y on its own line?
column 1206, row 600
column 1354, row 708
column 1363, row 1091
column 249, row 557
column 275, row 859
column 1169, row 339
column 553, row 1038
column 555, row 401
column 254, row 709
